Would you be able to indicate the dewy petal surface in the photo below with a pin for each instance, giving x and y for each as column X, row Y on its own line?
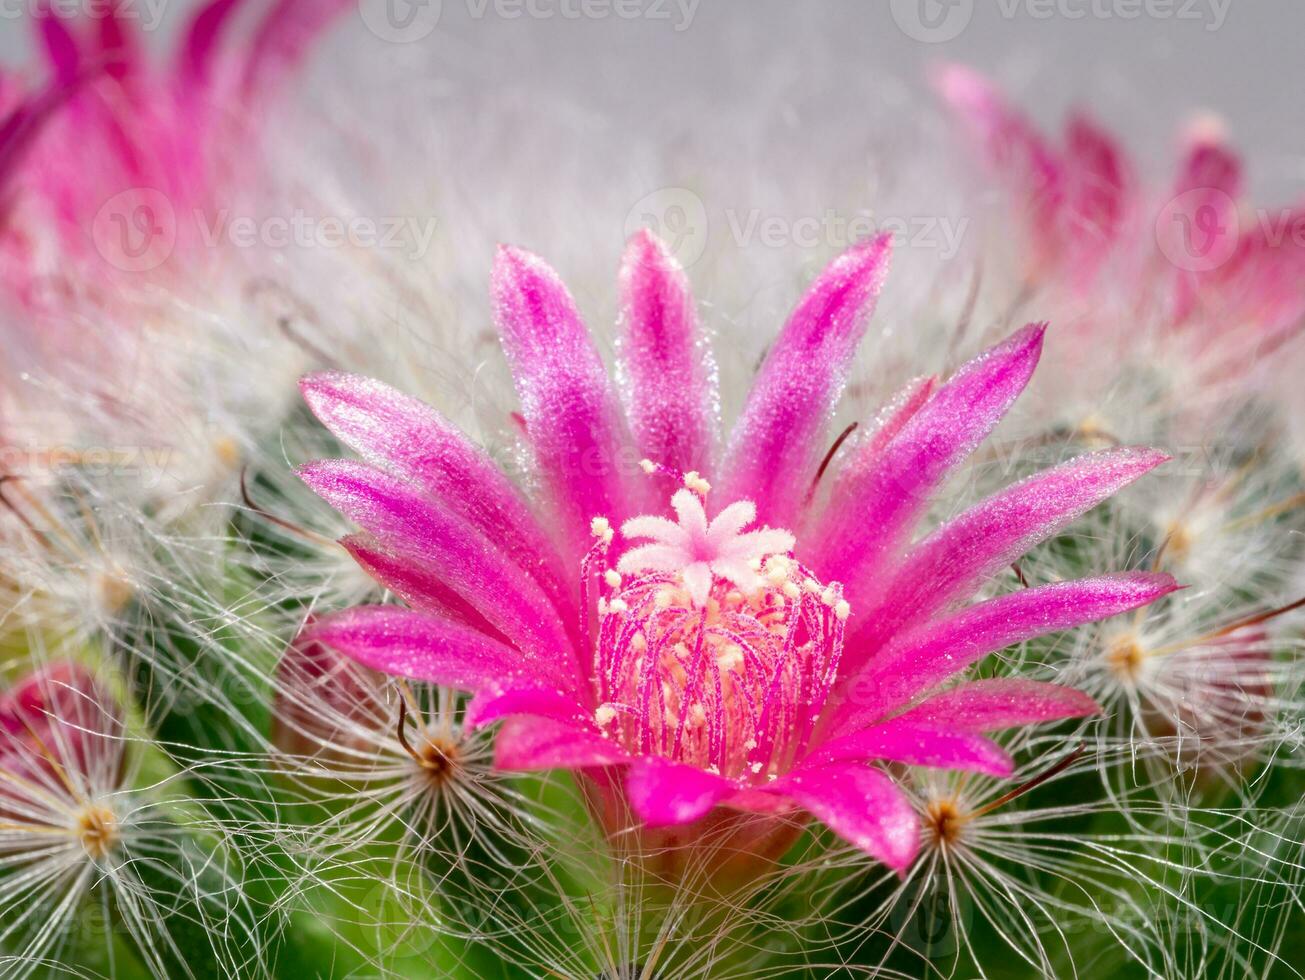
column 573, row 423
column 664, row 793
column 410, row 644
column 777, row 442
column 419, row 585
column 1003, row 702
column 861, row 804
column 917, row 743
column 406, row 520
column 925, row 657
column 672, row 396
column 528, row 743
column 406, row 435
column 882, row 496
column 956, row 559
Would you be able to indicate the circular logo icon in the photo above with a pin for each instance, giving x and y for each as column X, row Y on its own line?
column 930, row 919
column 400, row 21
column 932, row 21
column 677, row 216
column 135, row 230
column 1197, row 230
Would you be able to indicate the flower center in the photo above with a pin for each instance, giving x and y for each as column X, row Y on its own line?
column 1125, row 658
column 437, row 758
column 97, row 830
column 945, row 821
column 721, row 663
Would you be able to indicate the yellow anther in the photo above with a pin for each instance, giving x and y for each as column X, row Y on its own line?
column 693, row 480
column 604, row 715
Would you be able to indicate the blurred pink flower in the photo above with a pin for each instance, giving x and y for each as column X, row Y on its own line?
column 1194, row 247
column 115, row 145
column 61, row 758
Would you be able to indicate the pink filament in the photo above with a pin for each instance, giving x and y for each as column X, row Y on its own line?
column 737, row 686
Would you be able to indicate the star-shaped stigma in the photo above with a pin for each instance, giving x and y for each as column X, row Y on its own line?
column 700, row 551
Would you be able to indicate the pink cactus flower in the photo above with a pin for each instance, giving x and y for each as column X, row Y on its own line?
column 105, row 165
column 1194, row 243
column 61, row 761
column 761, row 656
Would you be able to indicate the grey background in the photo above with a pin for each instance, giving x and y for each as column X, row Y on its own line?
column 1150, row 62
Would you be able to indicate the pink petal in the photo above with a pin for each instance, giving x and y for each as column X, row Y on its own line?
column 778, row 441
column 957, row 558
column 60, row 46
column 25, row 122
column 899, row 410
column 498, row 701
column 389, row 428
column 571, row 416
column 528, row 744
column 418, row 585
column 987, row 705
column 1097, row 196
column 1012, row 147
column 413, row 645
column 879, row 496
column 1202, row 218
column 861, row 805
column 407, row 522
column 917, row 743
column 60, row 732
column 324, row 701
column 282, row 41
column 201, row 42
column 662, row 792
column 117, row 49
column 672, row 378
column 929, row 654
column 1211, row 166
